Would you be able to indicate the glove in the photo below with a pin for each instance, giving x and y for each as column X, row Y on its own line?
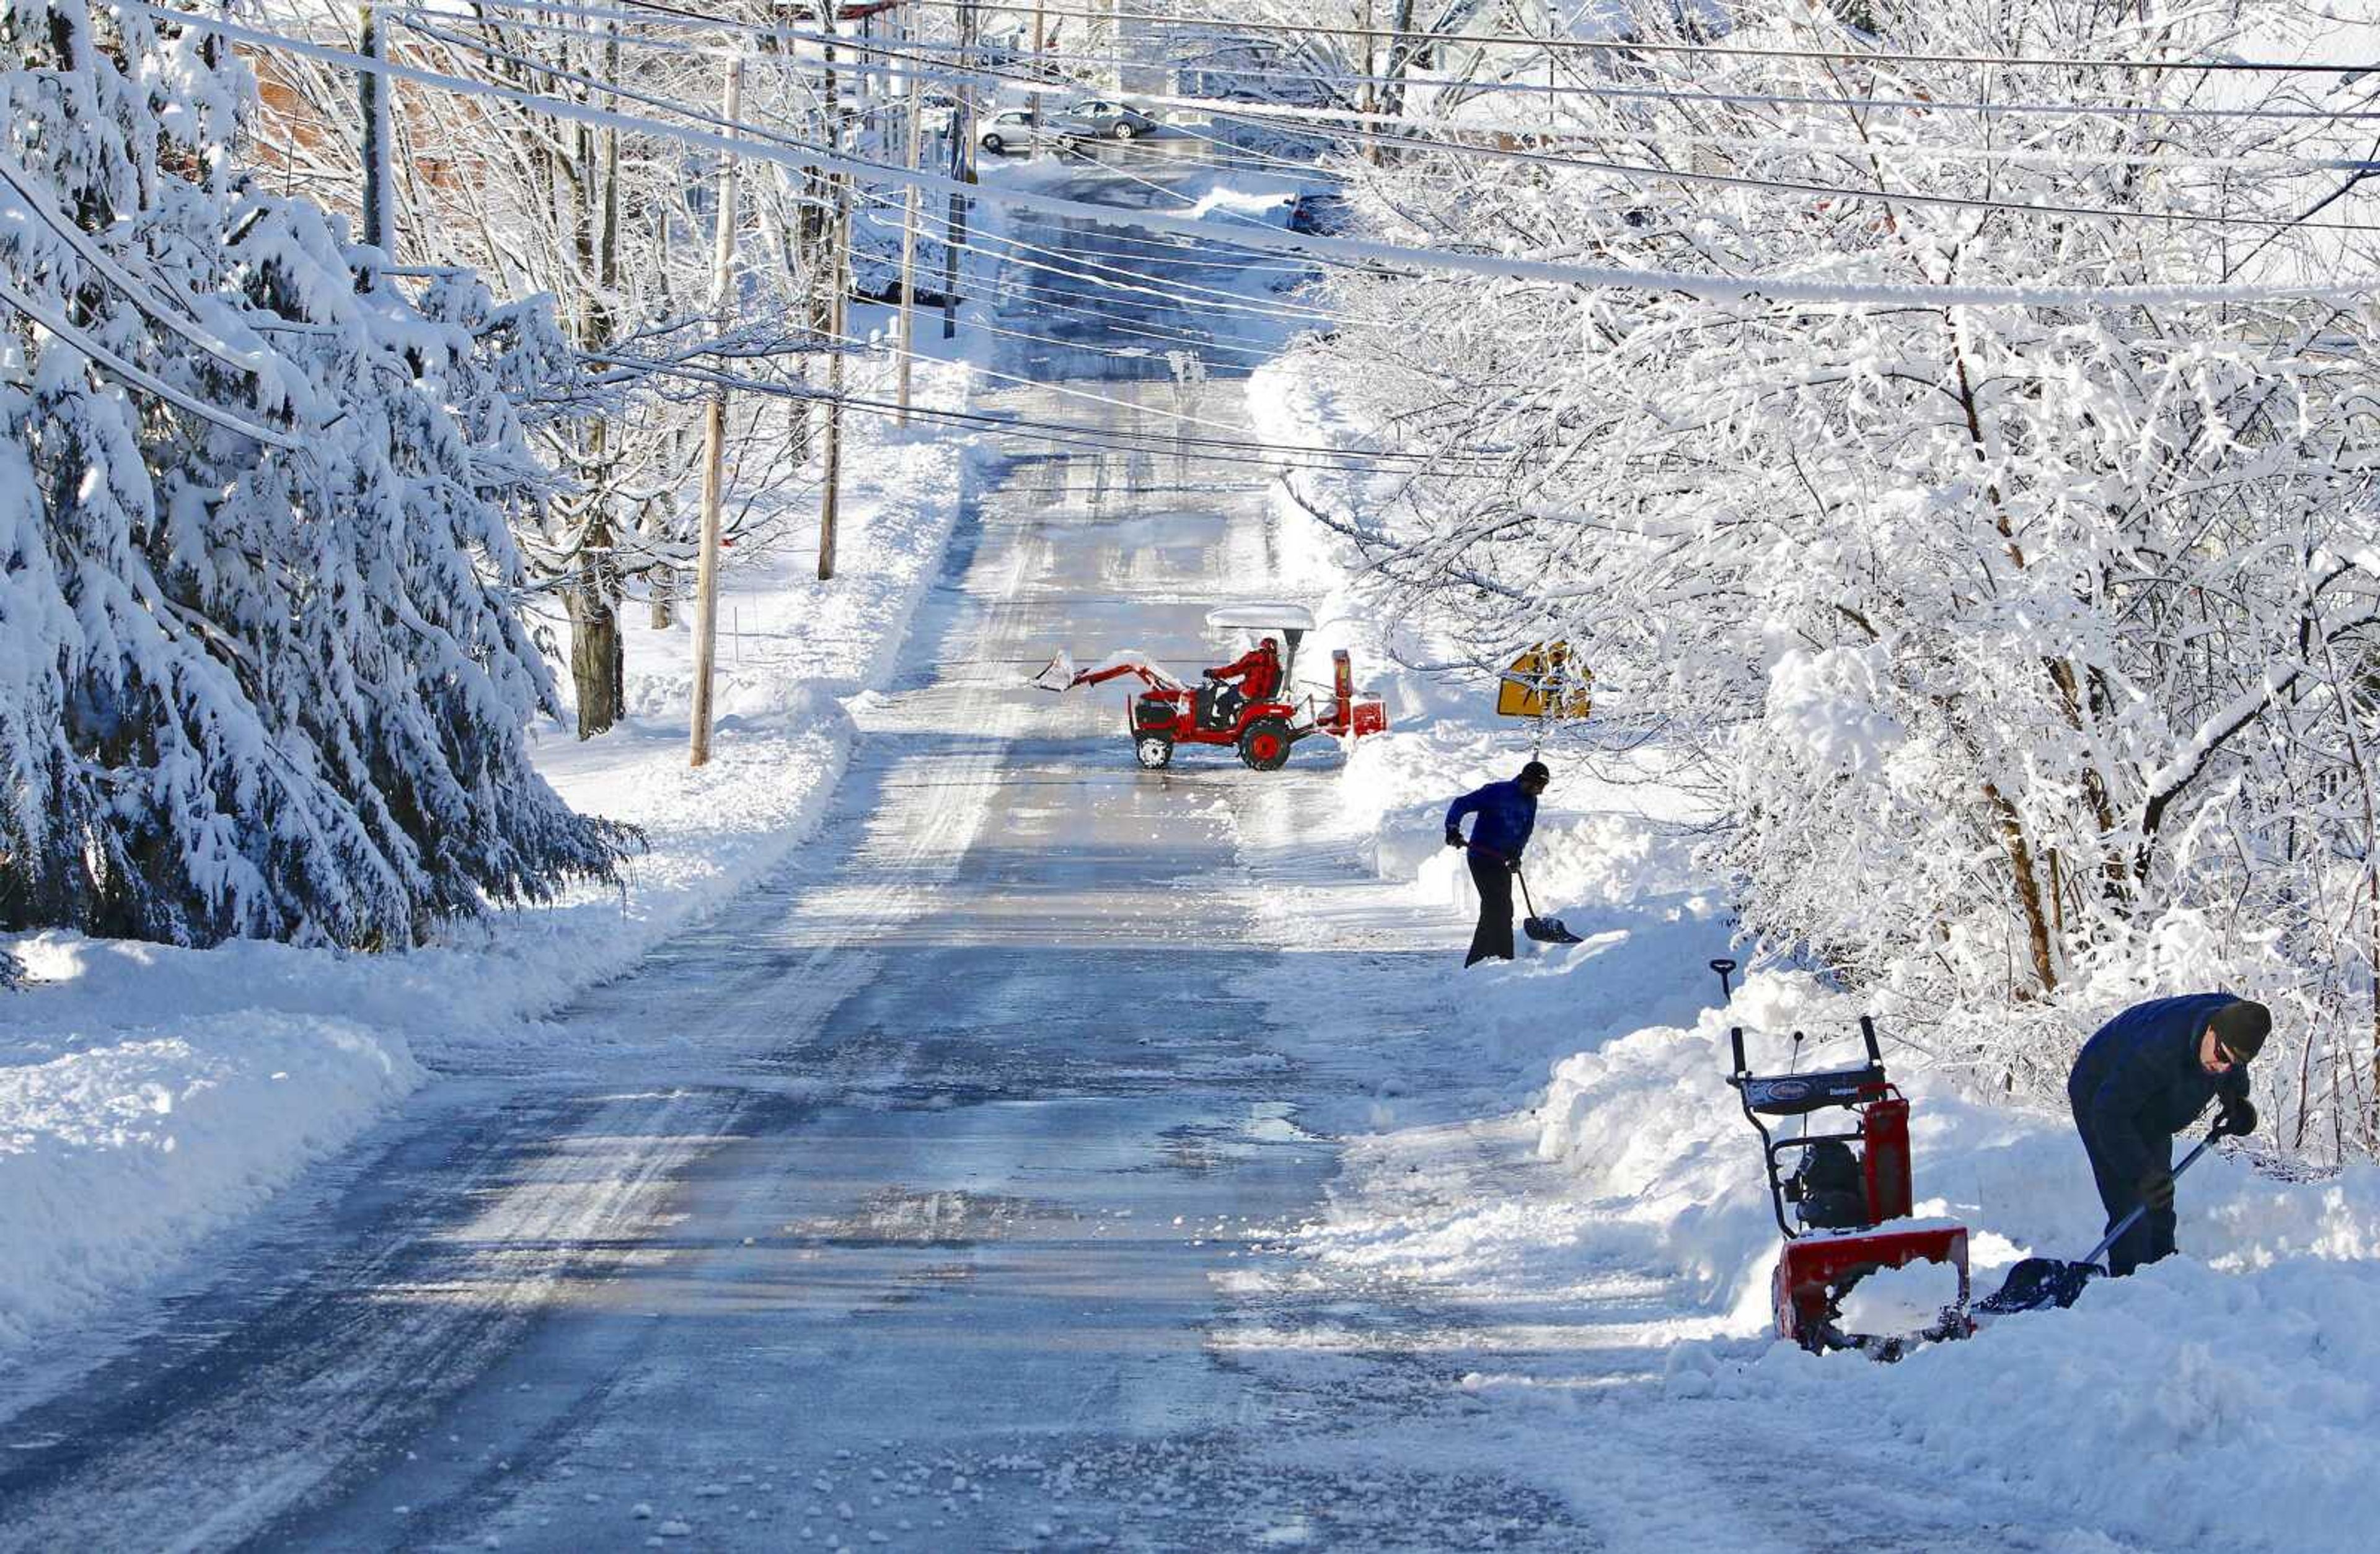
column 1453, row 837
column 1514, row 864
column 2156, row 1187
column 2237, row 1120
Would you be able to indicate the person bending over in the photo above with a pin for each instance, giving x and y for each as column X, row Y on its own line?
column 2144, row 1077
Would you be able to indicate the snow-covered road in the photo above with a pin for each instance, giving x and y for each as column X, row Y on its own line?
column 927, row 1243
column 955, row 1211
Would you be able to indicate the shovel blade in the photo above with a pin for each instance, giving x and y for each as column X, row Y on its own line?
column 2038, row 1283
column 1550, row 931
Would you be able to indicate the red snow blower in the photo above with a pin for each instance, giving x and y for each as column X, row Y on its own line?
column 1164, row 712
column 1844, row 1188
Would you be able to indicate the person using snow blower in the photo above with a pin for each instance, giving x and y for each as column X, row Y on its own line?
column 2145, row 1076
column 1504, row 815
column 1258, row 673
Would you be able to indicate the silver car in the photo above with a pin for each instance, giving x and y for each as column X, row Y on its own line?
column 1011, row 129
column 1100, row 118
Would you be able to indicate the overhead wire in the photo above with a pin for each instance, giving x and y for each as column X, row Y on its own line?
column 1789, row 288
column 1635, row 171
column 653, row 12
column 1261, row 115
column 1426, row 39
column 1218, row 450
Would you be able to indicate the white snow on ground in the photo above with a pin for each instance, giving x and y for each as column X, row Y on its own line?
column 1554, row 1154
column 150, row 1095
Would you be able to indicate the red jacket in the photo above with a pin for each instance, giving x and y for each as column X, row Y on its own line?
column 1257, row 670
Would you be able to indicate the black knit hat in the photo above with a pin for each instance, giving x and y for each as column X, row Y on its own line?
column 1536, row 768
column 2241, row 1028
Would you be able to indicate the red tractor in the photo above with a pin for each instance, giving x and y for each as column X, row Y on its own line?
column 1262, row 716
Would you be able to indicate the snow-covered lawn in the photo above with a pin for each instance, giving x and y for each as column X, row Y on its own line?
column 151, row 1095
column 1553, row 1153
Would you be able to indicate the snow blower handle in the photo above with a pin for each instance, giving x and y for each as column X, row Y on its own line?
column 1868, row 1029
column 2092, row 1258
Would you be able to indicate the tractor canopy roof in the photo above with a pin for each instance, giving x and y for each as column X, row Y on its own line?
column 1260, row 617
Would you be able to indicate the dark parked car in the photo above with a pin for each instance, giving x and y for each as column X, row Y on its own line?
column 1100, row 118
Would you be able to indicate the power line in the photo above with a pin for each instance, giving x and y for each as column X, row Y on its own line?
column 1422, row 39
column 1783, row 288
column 652, row 12
column 1227, row 451
column 1638, row 172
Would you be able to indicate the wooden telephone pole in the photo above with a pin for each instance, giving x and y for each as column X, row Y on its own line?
column 1040, row 43
column 838, row 303
column 714, row 431
column 909, row 243
column 962, row 169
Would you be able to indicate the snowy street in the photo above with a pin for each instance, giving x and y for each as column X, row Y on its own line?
column 946, row 776
column 923, row 1244
column 1057, row 1154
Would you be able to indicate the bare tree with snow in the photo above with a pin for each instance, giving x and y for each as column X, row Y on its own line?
column 2028, row 647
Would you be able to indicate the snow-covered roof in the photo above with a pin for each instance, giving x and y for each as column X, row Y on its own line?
column 1283, row 617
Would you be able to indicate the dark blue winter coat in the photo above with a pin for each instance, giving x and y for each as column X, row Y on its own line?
column 2139, row 1082
column 1506, row 814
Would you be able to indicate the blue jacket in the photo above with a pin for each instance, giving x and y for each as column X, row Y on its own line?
column 2139, row 1082
column 1507, row 814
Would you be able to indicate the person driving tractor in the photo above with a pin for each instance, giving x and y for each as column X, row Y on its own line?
column 1258, row 673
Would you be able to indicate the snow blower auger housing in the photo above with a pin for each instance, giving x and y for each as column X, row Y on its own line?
column 1844, row 1188
column 1164, row 713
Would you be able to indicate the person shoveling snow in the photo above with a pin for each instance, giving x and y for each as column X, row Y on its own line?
column 2144, row 1077
column 1504, row 814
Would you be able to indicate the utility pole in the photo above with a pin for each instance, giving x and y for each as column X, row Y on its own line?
column 838, row 303
column 962, row 158
column 380, row 184
column 909, row 243
column 831, row 492
column 714, row 429
column 1040, row 43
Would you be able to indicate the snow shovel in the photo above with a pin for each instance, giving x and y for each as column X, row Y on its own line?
column 2042, row 1281
column 1545, row 930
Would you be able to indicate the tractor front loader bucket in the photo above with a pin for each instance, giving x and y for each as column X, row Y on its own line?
column 1058, row 674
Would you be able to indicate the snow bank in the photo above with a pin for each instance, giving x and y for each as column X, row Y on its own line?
column 113, row 1159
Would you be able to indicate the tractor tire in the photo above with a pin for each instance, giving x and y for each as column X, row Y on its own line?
column 1264, row 744
column 1124, row 130
column 1154, row 751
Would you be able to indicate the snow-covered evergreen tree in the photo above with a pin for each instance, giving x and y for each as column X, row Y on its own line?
column 261, row 668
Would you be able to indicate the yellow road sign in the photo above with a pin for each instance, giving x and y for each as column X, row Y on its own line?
column 1543, row 682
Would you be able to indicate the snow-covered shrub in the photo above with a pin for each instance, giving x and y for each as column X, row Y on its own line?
column 2026, row 642
column 261, row 671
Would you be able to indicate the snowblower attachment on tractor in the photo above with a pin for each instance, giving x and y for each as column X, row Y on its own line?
column 1844, row 1189
column 1164, row 712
